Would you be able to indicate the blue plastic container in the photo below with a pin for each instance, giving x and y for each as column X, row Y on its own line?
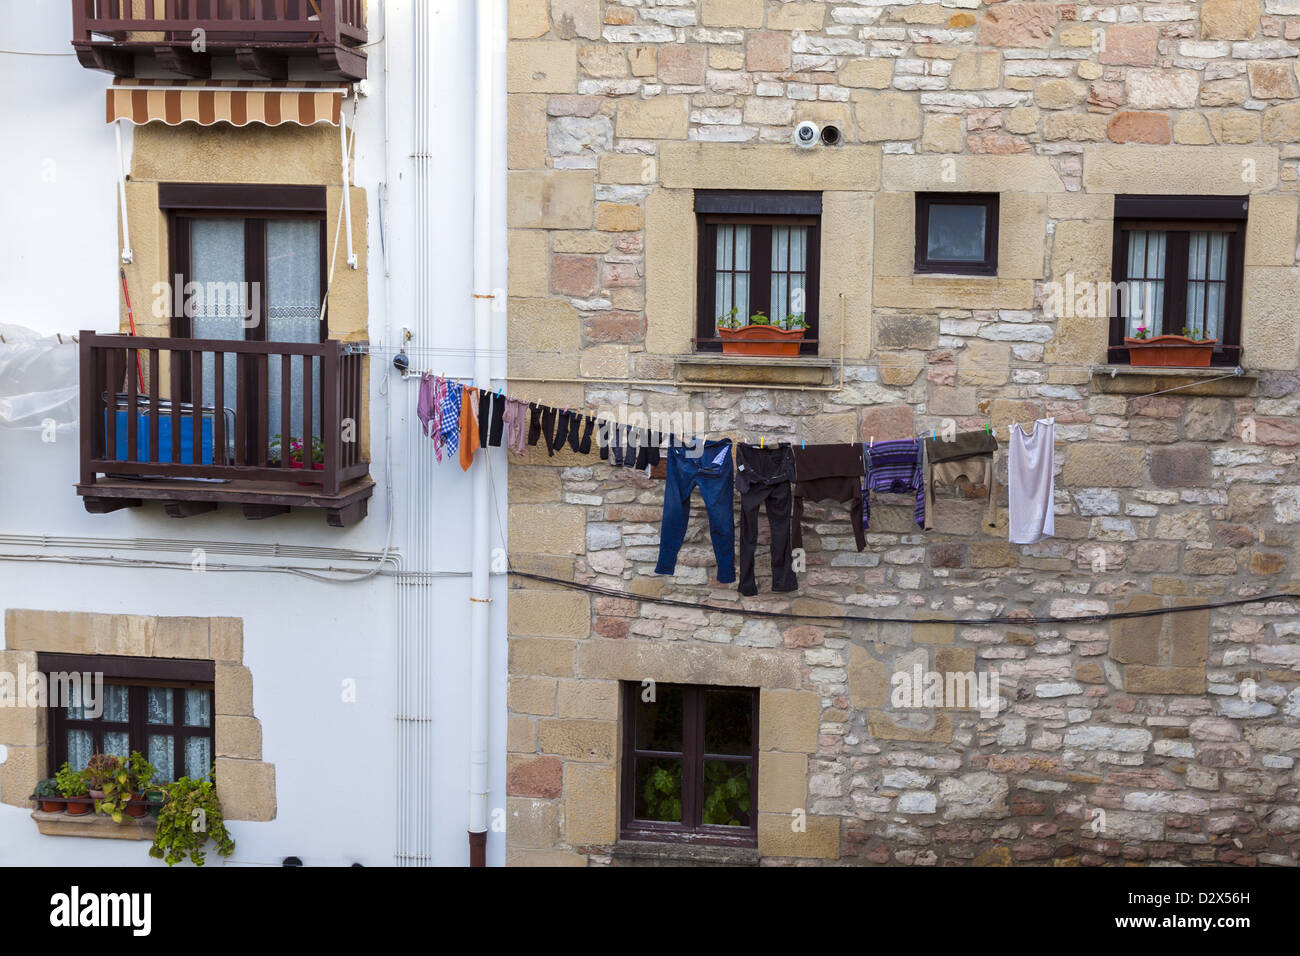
column 164, row 438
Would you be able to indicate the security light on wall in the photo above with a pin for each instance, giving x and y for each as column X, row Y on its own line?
column 807, row 134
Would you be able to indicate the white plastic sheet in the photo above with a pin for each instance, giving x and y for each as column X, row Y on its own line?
column 38, row 379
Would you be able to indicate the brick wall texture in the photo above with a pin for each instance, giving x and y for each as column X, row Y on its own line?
column 1116, row 742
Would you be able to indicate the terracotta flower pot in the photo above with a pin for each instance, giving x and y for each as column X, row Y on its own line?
column 135, row 806
column 1170, row 351
column 316, row 466
column 78, row 805
column 760, row 340
column 52, row 804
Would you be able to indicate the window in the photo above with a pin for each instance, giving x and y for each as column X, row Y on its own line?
column 255, row 256
column 1178, row 265
column 161, row 708
column 690, row 764
column 957, row 233
column 758, row 252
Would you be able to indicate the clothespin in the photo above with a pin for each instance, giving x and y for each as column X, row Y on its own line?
column 988, row 428
column 873, row 442
column 931, row 434
column 805, row 443
column 761, row 440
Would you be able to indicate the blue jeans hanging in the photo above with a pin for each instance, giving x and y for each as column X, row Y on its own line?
column 713, row 474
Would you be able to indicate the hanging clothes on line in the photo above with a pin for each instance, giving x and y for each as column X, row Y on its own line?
column 829, row 473
column 765, row 476
column 893, row 466
column 468, row 426
column 541, row 425
column 712, row 472
column 966, row 455
column 449, row 419
column 515, row 418
column 1031, row 459
column 491, row 416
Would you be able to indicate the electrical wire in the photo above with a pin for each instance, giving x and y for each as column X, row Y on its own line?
column 1004, row 619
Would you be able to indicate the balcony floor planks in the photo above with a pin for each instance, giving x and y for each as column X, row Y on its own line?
column 343, row 509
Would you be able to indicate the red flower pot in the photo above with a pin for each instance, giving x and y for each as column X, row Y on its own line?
column 79, row 805
column 54, row 805
column 135, row 806
column 316, row 466
column 1170, row 351
column 760, row 340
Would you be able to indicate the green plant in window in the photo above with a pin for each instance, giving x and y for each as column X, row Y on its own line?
column 49, row 789
column 128, row 779
column 758, row 318
column 1187, row 333
column 729, row 319
column 793, row 321
column 189, row 817
column 100, row 770
column 297, row 451
column 726, row 795
column 663, row 793
column 71, row 783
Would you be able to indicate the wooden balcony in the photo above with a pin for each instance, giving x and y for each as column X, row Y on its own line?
column 195, row 423
column 184, row 35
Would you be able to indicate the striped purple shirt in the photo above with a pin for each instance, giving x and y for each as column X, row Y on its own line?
column 893, row 466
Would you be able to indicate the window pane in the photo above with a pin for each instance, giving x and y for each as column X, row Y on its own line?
column 293, row 312
column 117, row 743
column 659, row 722
column 198, row 757
column 726, row 793
column 789, row 246
column 217, row 268
column 1207, row 264
column 956, row 233
column 159, row 703
column 731, row 270
column 117, row 708
column 728, row 727
column 81, row 744
column 1144, row 301
column 659, row 789
column 197, row 707
column 162, row 754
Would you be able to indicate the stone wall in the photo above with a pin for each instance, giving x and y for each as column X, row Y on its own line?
column 617, row 113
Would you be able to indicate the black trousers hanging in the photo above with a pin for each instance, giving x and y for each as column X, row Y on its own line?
column 765, row 476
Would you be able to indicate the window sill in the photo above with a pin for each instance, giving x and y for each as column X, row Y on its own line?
column 652, row 853
column 95, row 825
column 1131, row 380
column 702, row 370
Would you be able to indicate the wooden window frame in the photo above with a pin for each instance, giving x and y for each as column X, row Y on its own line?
column 137, row 674
column 693, row 757
column 988, row 265
column 1178, row 216
column 761, row 210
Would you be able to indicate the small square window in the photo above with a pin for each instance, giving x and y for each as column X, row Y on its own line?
column 690, row 764
column 957, row 233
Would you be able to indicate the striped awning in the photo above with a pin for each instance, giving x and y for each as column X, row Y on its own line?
column 209, row 102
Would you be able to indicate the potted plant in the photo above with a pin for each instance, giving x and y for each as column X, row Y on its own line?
column 72, row 784
column 123, row 789
column 298, row 454
column 189, row 817
column 49, row 797
column 154, row 797
column 761, row 335
column 1189, row 350
column 100, row 769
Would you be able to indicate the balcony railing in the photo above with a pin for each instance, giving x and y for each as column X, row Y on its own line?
column 108, row 34
column 197, row 422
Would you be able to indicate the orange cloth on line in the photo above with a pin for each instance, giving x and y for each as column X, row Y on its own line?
column 468, row 426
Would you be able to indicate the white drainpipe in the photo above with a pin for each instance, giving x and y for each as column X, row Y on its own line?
column 415, row 669
column 480, row 610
